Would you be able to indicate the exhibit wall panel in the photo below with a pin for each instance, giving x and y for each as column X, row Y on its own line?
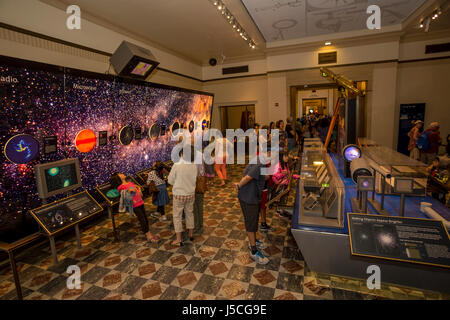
column 31, row 102
column 43, row 100
column 427, row 82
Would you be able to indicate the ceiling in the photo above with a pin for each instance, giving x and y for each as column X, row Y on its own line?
column 291, row 19
column 195, row 29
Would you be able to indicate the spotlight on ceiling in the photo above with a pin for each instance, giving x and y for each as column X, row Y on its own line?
column 328, row 43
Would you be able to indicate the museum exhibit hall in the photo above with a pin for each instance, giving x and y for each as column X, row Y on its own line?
column 216, row 150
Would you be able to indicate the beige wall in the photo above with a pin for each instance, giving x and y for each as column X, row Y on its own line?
column 428, row 82
column 243, row 91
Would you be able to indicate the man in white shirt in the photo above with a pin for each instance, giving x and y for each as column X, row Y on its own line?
column 183, row 178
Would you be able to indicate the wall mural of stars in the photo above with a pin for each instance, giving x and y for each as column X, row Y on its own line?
column 42, row 100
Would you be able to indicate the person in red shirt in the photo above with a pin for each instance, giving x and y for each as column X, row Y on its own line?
column 435, row 140
column 120, row 182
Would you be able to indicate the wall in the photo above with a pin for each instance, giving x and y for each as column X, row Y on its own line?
column 243, row 91
column 427, row 81
column 51, row 22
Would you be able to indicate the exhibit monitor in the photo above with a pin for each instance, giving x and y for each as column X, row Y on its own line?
column 57, row 177
column 132, row 61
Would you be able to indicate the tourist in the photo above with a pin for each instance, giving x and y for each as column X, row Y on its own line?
column 429, row 142
column 124, row 185
column 414, row 135
column 156, row 175
column 183, row 177
column 249, row 194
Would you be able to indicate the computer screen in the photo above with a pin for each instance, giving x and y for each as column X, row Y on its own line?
column 57, row 177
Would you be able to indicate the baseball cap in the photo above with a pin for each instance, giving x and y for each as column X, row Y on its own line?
column 434, row 124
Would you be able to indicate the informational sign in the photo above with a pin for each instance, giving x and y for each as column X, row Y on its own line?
column 50, row 145
column 67, row 212
column 103, row 138
column 422, row 241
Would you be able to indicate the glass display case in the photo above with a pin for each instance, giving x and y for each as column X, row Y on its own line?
column 390, row 165
column 322, row 191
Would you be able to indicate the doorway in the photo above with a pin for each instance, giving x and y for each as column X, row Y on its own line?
column 314, row 106
column 237, row 117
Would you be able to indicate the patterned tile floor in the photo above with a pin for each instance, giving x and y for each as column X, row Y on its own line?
column 215, row 266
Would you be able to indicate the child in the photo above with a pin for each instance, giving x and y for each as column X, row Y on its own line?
column 119, row 182
column 280, row 179
column 209, row 171
column 200, row 189
column 157, row 176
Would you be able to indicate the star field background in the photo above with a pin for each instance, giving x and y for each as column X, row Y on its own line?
column 44, row 103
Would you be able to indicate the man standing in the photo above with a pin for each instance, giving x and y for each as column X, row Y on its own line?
column 434, row 141
column 249, row 194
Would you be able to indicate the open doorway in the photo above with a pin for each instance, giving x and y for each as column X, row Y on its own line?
column 237, row 117
column 314, row 106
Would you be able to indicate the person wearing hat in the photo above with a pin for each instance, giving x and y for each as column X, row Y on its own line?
column 434, row 140
column 414, row 135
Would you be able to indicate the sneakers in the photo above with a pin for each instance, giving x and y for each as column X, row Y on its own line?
column 266, row 228
column 259, row 258
column 259, row 245
column 155, row 215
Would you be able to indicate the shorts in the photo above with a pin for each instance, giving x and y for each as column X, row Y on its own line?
column 264, row 198
column 251, row 216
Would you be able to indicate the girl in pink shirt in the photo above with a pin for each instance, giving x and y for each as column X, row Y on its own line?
column 120, row 182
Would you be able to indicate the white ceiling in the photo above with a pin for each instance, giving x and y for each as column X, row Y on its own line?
column 291, row 19
column 195, row 29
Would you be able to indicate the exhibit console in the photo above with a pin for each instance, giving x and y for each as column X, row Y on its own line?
column 344, row 222
column 64, row 132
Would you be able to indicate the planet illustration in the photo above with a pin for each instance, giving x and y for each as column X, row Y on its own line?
column 85, row 141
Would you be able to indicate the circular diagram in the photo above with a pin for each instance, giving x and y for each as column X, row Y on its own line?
column 21, row 149
column 85, row 141
column 126, row 135
column 191, row 126
column 175, row 127
column 155, row 131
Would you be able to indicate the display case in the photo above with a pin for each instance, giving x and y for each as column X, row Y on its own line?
column 389, row 165
column 322, row 192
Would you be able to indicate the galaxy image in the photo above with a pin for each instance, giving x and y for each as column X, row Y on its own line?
column 46, row 103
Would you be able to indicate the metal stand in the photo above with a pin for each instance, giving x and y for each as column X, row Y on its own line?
column 12, row 261
column 379, row 206
column 402, row 205
column 77, row 235
column 53, row 249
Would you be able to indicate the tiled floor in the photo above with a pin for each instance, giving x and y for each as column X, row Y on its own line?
column 215, row 266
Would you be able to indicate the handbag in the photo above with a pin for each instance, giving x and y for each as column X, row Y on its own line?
column 200, row 186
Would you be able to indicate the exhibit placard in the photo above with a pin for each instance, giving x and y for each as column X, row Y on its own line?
column 62, row 214
column 422, row 241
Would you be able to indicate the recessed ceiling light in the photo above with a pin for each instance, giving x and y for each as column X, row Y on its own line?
column 328, row 43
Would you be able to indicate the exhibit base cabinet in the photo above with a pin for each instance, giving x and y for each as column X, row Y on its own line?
column 330, row 253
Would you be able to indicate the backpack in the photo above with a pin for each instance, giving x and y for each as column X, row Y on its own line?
column 423, row 143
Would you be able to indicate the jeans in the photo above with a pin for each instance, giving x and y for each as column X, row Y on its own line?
column 180, row 204
column 198, row 211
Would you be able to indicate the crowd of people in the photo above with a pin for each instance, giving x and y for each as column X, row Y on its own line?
column 190, row 181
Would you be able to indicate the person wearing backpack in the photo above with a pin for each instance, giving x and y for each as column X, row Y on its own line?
column 414, row 135
column 429, row 142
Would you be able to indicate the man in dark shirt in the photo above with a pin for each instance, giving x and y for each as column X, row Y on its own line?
column 435, row 140
column 249, row 193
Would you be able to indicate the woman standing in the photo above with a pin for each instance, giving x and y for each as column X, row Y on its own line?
column 414, row 135
column 157, row 177
column 119, row 182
